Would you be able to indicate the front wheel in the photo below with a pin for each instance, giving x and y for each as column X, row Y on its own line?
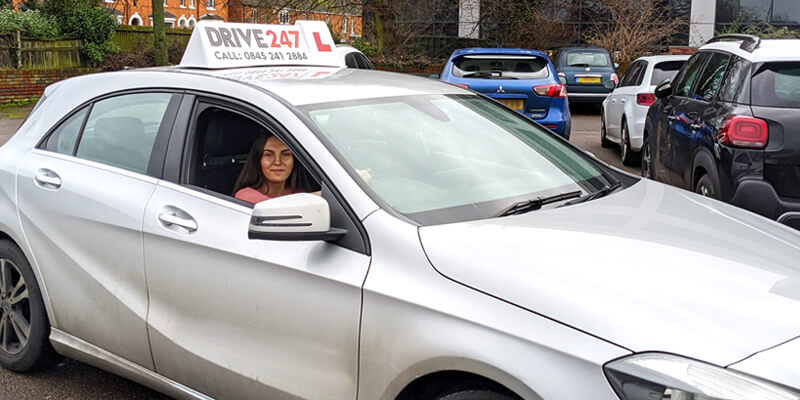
column 24, row 327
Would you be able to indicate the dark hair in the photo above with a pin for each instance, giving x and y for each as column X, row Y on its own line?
column 252, row 176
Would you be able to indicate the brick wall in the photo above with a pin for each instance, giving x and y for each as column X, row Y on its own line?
column 19, row 85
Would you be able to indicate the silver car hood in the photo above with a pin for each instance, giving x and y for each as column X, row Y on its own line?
column 649, row 268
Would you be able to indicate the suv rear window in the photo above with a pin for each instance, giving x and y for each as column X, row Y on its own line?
column 588, row 59
column 665, row 70
column 777, row 85
column 496, row 66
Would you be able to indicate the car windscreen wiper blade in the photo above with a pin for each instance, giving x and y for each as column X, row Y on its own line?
column 596, row 195
column 482, row 74
column 537, row 203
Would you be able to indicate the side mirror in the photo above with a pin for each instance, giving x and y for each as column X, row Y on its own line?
column 609, row 84
column 663, row 89
column 433, row 76
column 301, row 216
column 616, row 65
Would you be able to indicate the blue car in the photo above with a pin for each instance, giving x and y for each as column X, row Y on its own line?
column 524, row 80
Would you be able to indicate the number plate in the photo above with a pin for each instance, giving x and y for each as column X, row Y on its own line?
column 589, row 79
column 514, row 104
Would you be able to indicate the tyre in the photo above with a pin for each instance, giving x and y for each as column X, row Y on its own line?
column 604, row 142
column 647, row 159
column 628, row 156
column 475, row 394
column 24, row 327
column 705, row 186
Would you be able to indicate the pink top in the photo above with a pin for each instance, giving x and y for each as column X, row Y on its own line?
column 251, row 195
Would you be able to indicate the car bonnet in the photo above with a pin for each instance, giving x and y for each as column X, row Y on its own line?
column 649, row 268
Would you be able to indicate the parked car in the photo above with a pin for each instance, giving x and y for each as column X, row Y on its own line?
column 457, row 250
column 353, row 57
column 521, row 79
column 623, row 112
column 725, row 128
column 584, row 70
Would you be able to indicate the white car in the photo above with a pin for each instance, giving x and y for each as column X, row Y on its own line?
column 450, row 249
column 624, row 111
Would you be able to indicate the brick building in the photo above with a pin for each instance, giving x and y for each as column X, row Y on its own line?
column 345, row 23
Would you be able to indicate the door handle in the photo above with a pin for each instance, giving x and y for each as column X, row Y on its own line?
column 172, row 220
column 47, row 179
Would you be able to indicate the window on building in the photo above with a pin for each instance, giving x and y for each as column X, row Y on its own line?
column 283, row 17
column 191, row 3
column 344, row 24
column 183, row 3
column 328, row 19
column 254, row 15
column 210, row 4
column 304, row 16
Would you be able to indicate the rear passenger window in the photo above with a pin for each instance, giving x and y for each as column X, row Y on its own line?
column 63, row 139
column 121, row 130
column 712, row 76
column 777, row 85
column 734, row 86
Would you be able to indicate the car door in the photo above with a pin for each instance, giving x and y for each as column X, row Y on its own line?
column 695, row 118
column 672, row 120
column 234, row 317
column 619, row 98
column 82, row 195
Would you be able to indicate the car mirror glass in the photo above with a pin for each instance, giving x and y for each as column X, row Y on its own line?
column 563, row 80
column 616, row 65
column 301, row 216
column 609, row 84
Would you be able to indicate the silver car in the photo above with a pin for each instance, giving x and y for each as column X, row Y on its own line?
column 457, row 250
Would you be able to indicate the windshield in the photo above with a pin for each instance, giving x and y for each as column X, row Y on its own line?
column 488, row 66
column 777, row 85
column 588, row 59
column 438, row 159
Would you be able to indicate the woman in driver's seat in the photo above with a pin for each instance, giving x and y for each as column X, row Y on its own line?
column 269, row 172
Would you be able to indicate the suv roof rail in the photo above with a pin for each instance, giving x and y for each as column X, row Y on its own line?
column 749, row 42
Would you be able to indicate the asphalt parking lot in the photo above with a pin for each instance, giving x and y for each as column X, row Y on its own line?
column 74, row 380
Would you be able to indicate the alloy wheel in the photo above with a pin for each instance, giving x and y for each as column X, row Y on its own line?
column 646, row 160
column 15, row 309
column 623, row 147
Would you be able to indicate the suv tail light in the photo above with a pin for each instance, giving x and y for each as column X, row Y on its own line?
column 554, row 90
column 742, row 131
column 645, row 99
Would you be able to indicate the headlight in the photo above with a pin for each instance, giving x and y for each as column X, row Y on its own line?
column 654, row 376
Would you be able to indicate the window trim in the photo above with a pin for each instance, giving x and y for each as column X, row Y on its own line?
column 178, row 153
column 156, row 163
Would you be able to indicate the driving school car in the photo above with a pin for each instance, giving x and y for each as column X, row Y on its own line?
column 448, row 270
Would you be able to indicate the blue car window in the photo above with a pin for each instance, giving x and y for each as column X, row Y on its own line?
column 588, row 59
column 497, row 66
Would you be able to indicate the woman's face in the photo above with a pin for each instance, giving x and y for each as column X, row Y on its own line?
column 276, row 161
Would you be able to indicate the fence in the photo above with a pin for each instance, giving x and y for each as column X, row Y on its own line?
column 17, row 52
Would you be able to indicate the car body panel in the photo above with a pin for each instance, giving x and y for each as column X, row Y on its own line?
column 549, row 111
column 707, row 277
column 412, row 312
column 778, row 364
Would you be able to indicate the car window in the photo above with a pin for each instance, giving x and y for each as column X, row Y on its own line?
column 64, row 138
column 499, row 66
column 734, row 85
column 665, row 70
column 630, row 76
column 439, row 159
column 712, row 76
column 777, row 85
column 363, row 62
column 588, row 59
column 219, row 146
column 350, row 60
column 120, row 131
column 687, row 76
column 637, row 80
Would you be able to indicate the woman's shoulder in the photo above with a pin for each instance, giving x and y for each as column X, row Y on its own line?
column 250, row 195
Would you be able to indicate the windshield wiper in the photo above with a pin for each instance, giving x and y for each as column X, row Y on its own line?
column 537, row 203
column 596, row 195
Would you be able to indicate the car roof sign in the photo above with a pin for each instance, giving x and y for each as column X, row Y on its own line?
column 218, row 45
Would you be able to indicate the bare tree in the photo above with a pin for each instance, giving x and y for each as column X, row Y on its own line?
column 538, row 24
column 631, row 28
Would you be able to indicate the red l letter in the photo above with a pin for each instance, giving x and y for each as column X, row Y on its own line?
column 320, row 46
